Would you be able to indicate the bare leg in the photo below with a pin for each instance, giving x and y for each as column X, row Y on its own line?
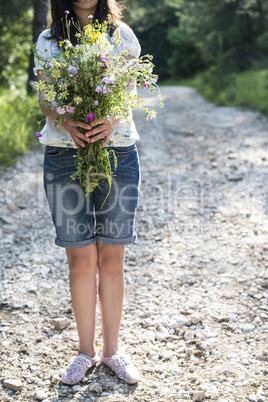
column 83, row 267
column 111, row 293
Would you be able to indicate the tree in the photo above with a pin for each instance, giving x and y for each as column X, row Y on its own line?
column 226, row 32
column 15, row 22
column 151, row 20
column 39, row 24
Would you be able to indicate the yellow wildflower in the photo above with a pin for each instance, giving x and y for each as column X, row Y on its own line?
column 40, row 85
column 151, row 115
column 62, row 86
column 55, row 73
column 77, row 100
column 50, row 95
column 61, row 43
column 64, row 95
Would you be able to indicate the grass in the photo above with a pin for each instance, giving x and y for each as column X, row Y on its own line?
column 248, row 89
column 17, row 125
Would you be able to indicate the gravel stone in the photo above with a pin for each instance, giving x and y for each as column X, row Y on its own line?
column 15, row 385
column 247, row 327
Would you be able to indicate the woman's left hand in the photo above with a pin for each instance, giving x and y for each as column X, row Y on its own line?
column 103, row 130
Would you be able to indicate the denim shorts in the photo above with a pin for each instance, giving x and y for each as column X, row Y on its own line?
column 80, row 221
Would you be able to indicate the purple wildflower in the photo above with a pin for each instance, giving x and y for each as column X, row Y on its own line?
column 105, row 80
column 104, row 90
column 98, row 89
column 72, row 70
column 70, row 109
column 96, row 102
column 108, row 80
column 154, row 80
column 38, row 135
column 103, row 57
column 91, row 116
column 67, row 12
column 60, row 110
column 90, row 17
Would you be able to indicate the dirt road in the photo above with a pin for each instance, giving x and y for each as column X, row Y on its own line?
column 195, row 311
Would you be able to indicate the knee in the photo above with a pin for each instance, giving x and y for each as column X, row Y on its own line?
column 81, row 266
column 111, row 265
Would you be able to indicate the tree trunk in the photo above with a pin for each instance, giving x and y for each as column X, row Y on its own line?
column 39, row 24
column 261, row 13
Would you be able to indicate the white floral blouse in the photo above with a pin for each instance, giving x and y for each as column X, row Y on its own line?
column 122, row 134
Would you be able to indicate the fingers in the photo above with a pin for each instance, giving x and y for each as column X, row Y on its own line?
column 78, row 137
column 103, row 130
column 106, row 141
column 98, row 122
column 100, row 129
column 78, row 123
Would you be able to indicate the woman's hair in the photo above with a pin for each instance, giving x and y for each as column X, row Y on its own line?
column 105, row 8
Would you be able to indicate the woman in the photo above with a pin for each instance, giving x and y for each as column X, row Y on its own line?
column 94, row 238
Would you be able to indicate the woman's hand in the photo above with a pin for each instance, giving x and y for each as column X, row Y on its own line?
column 72, row 127
column 103, row 130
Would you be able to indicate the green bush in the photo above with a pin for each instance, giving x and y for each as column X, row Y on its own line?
column 186, row 59
column 17, row 125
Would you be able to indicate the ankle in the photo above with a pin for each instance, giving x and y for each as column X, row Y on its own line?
column 108, row 352
column 90, row 352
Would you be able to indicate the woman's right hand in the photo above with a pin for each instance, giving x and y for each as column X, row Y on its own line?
column 72, row 127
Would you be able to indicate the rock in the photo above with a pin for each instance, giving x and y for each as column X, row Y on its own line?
column 14, row 384
column 5, row 220
column 247, row 327
column 167, row 355
column 209, row 334
column 95, row 388
column 55, row 379
column 211, row 390
column 260, row 395
column 195, row 319
column 161, row 333
column 252, row 398
column 179, row 321
column 76, row 388
column 23, row 348
column 184, row 278
column 188, row 335
column 40, row 395
column 31, row 288
column 198, row 396
column 227, row 372
column 263, row 358
column 60, row 323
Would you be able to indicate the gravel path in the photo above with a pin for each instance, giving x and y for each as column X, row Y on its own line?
column 195, row 308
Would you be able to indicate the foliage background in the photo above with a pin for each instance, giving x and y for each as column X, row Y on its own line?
column 219, row 47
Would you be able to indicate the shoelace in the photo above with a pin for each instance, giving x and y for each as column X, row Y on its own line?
column 122, row 360
column 79, row 361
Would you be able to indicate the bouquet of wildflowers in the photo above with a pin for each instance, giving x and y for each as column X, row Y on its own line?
column 88, row 83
